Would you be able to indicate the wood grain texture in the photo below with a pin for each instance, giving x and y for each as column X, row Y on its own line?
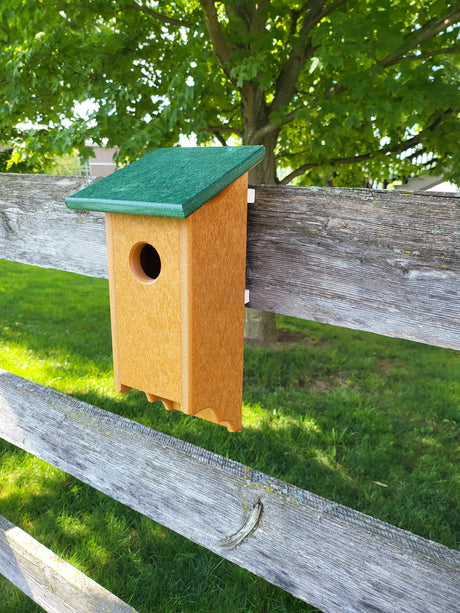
column 324, row 553
column 36, row 227
column 48, row 580
column 385, row 262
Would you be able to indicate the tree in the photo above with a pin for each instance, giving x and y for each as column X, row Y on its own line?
column 341, row 92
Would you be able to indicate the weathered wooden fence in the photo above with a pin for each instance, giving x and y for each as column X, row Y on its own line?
column 386, row 262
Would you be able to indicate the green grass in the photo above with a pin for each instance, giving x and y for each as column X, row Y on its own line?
column 364, row 420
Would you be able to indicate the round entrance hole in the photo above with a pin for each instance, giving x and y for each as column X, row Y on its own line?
column 145, row 262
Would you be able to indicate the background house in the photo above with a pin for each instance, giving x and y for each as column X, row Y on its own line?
column 102, row 164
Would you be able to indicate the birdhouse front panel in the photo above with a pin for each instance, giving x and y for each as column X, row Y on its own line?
column 144, row 280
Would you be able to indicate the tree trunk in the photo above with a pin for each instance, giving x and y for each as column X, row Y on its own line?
column 259, row 326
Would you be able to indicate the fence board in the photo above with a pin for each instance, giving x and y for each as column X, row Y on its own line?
column 37, row 228
column 48, row 580
column 320, row 551
column 385, row 262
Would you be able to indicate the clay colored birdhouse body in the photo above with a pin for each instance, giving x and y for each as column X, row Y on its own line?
column 177, row 276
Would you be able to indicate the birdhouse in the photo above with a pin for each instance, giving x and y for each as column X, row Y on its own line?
column 176, row 245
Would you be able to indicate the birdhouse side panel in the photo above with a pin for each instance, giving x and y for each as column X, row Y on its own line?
column 144, row 284
column 217, row 253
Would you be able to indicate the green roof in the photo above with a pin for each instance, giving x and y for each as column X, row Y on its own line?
column 168, row 182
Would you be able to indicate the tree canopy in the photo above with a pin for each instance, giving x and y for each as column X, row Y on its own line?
column 340, row 90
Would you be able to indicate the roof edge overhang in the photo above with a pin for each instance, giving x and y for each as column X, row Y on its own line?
column 171, row 182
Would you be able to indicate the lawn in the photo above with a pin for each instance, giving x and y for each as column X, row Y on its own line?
column 361, row 419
